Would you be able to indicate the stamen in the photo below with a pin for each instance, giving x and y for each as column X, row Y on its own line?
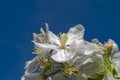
column 101, row 50
column 70, row 70
column 109, row 46
column 63, row 40
column 37, row 50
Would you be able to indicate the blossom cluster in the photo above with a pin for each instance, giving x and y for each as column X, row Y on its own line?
column 68, row 55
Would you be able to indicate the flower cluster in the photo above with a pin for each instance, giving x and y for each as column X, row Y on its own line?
column 68, row 55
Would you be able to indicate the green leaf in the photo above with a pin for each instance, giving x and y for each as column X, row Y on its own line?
column 109, row 67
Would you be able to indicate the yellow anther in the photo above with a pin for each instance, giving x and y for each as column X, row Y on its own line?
column 37, row 50
column 70, row 71
column 109, row 46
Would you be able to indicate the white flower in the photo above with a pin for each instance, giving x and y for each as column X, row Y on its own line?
column 69, row 55
column 74, row 50
column 67, row 45
column 32, row 65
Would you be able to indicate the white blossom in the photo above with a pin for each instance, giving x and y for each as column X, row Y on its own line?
column 69, row 55
column 65, row 49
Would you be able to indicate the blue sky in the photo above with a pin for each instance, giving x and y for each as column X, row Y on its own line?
column 20, row 18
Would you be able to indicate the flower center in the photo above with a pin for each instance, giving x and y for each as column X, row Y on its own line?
column 63, row 40
column 109, row 46
column 70, row 70
column 37, row 50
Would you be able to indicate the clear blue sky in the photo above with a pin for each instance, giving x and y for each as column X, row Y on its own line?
column 20, row 18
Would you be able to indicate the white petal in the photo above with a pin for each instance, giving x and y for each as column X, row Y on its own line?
column 34, row 35
column 36, row 38
column 53, row 39
column 76, row 32
column 47, row 29
column 30, row 66
column 116, row 62
column 31, row 76
column 77, row 60
column 90, row 48
column 96, row 65
column 76, row 47
column 45, row 46
column 116, row 56
column 61, row 56
column 39, row 38
column 91, row 64
column 96, row 41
